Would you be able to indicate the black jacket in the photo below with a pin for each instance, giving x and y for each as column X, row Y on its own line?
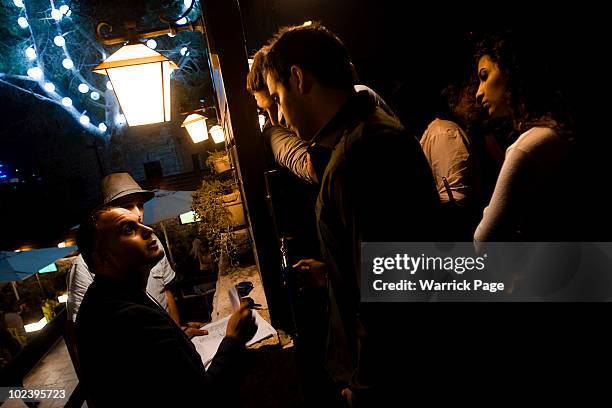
column 376, row 187
column 133, row 354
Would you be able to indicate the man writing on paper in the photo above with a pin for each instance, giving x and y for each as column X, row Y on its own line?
column 119, row 326
column 119, row 189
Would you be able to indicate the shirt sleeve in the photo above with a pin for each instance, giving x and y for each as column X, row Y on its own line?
column 79, row 279
column 446, row 149
column 500, row 219
column 164, row 269
column 289, row 151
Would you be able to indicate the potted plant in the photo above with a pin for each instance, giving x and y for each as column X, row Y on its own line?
column 218, row 161
column 215, row 219
column 233, row 203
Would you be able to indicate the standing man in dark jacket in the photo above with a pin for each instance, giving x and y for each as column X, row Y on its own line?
column 376, row 186
column 125, row 339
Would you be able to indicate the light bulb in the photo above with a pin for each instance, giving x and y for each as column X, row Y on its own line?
column 94, row 95
column 102, row 127
column 83, row 88
column 59, row 41
column 64, row 9
column 84, row 119
column 49, row 87
column 67, row 63
column 152, row 44
column 183, row 50
column 23, row 22
column 18, row 3
column 66, row 101
column 30, row 53
column 35, row 73
column 109, row 85
column 56, row 14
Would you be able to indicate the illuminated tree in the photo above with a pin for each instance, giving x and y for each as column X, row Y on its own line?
column 49, row 49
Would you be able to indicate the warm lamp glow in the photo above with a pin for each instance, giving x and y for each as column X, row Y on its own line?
column 217, row 134
column 196, row 127
column 140, row 78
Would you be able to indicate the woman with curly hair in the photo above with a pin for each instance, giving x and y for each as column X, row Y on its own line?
column 532, row 195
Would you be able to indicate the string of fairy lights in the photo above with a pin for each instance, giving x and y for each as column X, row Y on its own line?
column 59, row 15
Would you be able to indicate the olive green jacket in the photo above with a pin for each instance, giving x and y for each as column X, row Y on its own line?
column 377, row 186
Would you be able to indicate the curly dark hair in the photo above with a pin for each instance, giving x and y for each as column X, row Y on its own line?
column 534, row 96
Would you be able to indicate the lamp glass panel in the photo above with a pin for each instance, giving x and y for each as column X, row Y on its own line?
column 217, row 134
column 166, row 72
column 197, row 130
column 139, row 91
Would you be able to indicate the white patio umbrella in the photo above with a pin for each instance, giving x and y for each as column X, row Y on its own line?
column 165, row 205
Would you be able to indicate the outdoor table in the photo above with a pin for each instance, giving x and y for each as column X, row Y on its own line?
column 221, row 303
column 272, row 379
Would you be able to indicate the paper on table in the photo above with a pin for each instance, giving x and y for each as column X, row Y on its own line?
column 208, row 345
column 234, row 298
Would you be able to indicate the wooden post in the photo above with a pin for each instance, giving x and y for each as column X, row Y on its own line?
column 14, row 285
column 238, row 114
column 168, row 244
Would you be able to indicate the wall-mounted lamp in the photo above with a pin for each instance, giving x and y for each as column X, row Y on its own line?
column 196, row 127
column 139, row 75
column 217, row 134
column 140, row 78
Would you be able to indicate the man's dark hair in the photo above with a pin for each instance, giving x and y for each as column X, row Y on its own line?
column 256, row 80
column 87, row 234
column 313, row 48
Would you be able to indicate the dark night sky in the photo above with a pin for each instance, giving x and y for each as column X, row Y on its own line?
column 404, row 51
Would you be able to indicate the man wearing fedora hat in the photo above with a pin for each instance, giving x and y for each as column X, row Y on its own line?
column 120, row 189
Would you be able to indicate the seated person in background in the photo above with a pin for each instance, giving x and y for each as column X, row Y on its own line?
column 201, row 254
column 125, row 339
column 121, row 190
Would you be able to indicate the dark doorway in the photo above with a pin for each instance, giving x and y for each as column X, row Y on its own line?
column 153, row 170
column 197, row 163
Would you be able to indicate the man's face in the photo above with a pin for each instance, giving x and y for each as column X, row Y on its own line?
column 133, row 203
column 291, row 105
column 128, row 246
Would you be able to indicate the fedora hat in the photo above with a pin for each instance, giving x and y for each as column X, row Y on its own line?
column 117, row 185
